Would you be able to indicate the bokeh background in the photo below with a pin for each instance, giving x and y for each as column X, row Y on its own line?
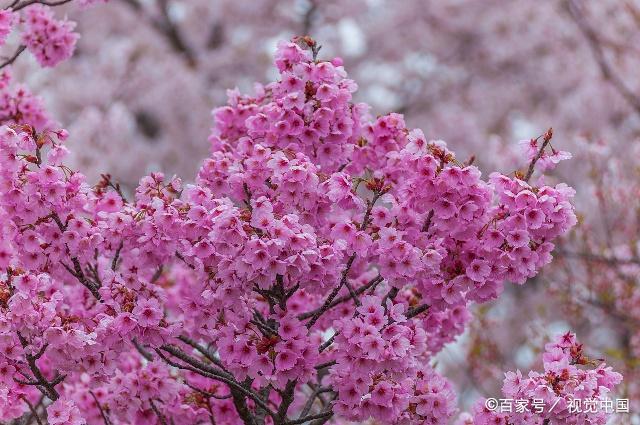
column 480, row 74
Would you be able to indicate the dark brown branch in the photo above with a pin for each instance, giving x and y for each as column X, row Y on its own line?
column 184, row 260
column 325, row 365
column 207, row 393
column 260, row 413
column 40, row 352
column 202, row 350
column 77, row 268
column 391, row 295
column 343, row 280
column 40, row 381
column 32, row 409
column 176, row 352
column 327, row 410
column 309, row 404
column 13, row 57
column 160, row 416
column 79, row 274
column 352, row 293
column 33, row 414
column 323, row 415
column 237, row 391
column 56, row 218
column 241, row 408
column 196, row 366
column 328, row 342
column 427, row 222
column 116, row 257
column 287, row 398
column 18, row 6
column 264, row 329
column 370, row 204
column 143, row 351
column 413, row 312
column 105, row 418
column 372, row 283
column 333, row 294
column 157, row 274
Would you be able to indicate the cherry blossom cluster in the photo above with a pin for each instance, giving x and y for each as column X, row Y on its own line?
column 19, row 106
column 377, row 374
column 569, row 377
column 545, row 160
column 50, row 40
column 318, row 262
column 7, row 20
column 486, row 83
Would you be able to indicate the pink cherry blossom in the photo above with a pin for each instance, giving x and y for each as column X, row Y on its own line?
column 314, row 267
column 51, row 41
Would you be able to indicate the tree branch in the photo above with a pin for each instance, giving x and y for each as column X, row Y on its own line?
column 413, row 312
column 598, row 53
column 323, row 415
column 105, row 418
column 32, row 409
column 18, row 6
column 205, row 370
column 372, row 283
column 532, row 165
column 40, row 380
column 13, row 57
column 287, row 398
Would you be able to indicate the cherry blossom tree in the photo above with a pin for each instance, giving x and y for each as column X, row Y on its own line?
column 310, row 273
column 479, row 74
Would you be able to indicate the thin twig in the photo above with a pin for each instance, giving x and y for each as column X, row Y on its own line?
column 328, row 342
column 309, row 404
column 427, row 222
column 413, row 312
column 546, row 139
column 13, row 57
column 287, row 399
column 202, row 350
column 371, row 284
column 33, row 410
column 203, row 369
column 207, row 393
column 323, row 415
column 40, row 380
column 116, row 257
column 160, row 416
column 105, row 418
column 143, row 351
column 28, row 3
column 332, row 295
